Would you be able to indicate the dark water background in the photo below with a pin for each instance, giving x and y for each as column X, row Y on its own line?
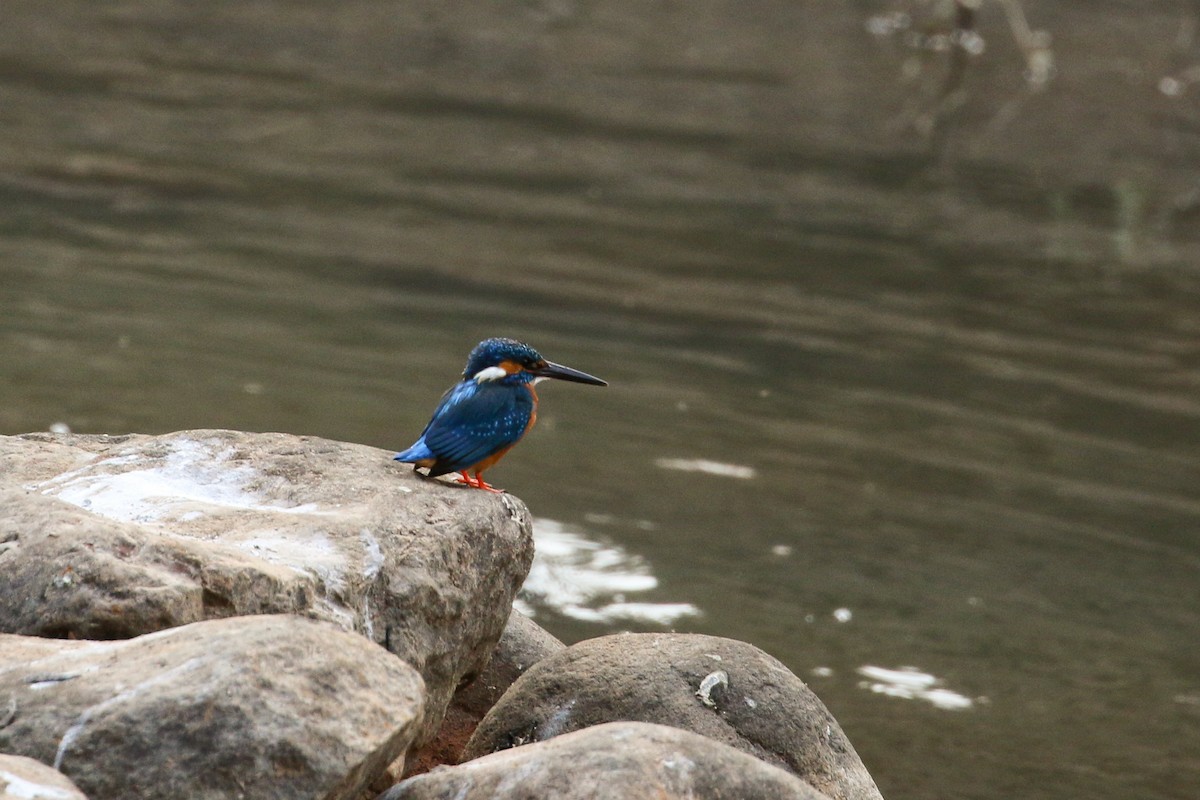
column 945, row 306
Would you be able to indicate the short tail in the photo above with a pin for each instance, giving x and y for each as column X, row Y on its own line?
column 418, row 452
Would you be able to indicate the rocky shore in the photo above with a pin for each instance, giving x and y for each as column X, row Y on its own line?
column 216, row 614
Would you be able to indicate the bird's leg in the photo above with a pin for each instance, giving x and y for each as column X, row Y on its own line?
column 479, row 484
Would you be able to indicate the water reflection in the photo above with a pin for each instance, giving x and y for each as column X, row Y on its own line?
column 704, row 465
column 910, row 683
column 589, row 580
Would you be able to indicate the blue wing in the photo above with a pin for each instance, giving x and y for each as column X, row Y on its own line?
column 472, row 422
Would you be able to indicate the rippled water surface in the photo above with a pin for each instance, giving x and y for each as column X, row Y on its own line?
column 931, row 438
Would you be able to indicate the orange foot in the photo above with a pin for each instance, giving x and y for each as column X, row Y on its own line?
column 478, row 483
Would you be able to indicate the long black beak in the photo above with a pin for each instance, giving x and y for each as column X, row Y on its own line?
column 552, row 370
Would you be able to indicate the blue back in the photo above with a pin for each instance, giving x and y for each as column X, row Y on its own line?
column 473, row 421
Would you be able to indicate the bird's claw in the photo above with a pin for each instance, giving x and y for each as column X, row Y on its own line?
column 478, row 483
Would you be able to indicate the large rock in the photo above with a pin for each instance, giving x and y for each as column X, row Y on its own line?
column 523, row 644
column 616, row 761
column 265, row 707
column 727, row 690
column 23, row 778
column 110, row 537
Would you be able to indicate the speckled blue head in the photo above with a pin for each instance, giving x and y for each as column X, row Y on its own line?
column 494, row 352
column 511, row 362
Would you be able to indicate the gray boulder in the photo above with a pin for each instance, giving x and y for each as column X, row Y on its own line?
column 264, row 707
column 727, row 690
column 616, row 761
column 23, row 778
column 523, row 644
column 111, row 537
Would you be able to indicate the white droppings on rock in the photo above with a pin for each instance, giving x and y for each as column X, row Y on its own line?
column 316, row 554
column 367, row 620
column 14, row 786
column 372, row 554
column 195, row 476
column 373, row 561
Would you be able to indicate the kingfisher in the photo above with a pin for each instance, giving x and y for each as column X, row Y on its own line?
column 485, row 414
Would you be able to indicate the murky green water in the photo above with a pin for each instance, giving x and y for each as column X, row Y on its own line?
column 949, row 422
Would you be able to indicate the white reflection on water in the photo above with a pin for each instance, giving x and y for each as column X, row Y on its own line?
column 910, row 683
column 589, row 580
column 704, row 465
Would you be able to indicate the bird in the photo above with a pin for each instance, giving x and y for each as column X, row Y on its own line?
column 485, row 414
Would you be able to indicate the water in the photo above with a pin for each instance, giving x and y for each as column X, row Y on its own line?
column 922, row 424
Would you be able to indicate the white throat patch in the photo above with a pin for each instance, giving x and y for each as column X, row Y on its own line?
column 490, row 374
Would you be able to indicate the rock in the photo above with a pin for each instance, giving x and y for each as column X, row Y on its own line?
column 522, row 645
column 111, row 537
column 614, row 761
column 265, row 707
column 729, row 691
column 23, row 778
